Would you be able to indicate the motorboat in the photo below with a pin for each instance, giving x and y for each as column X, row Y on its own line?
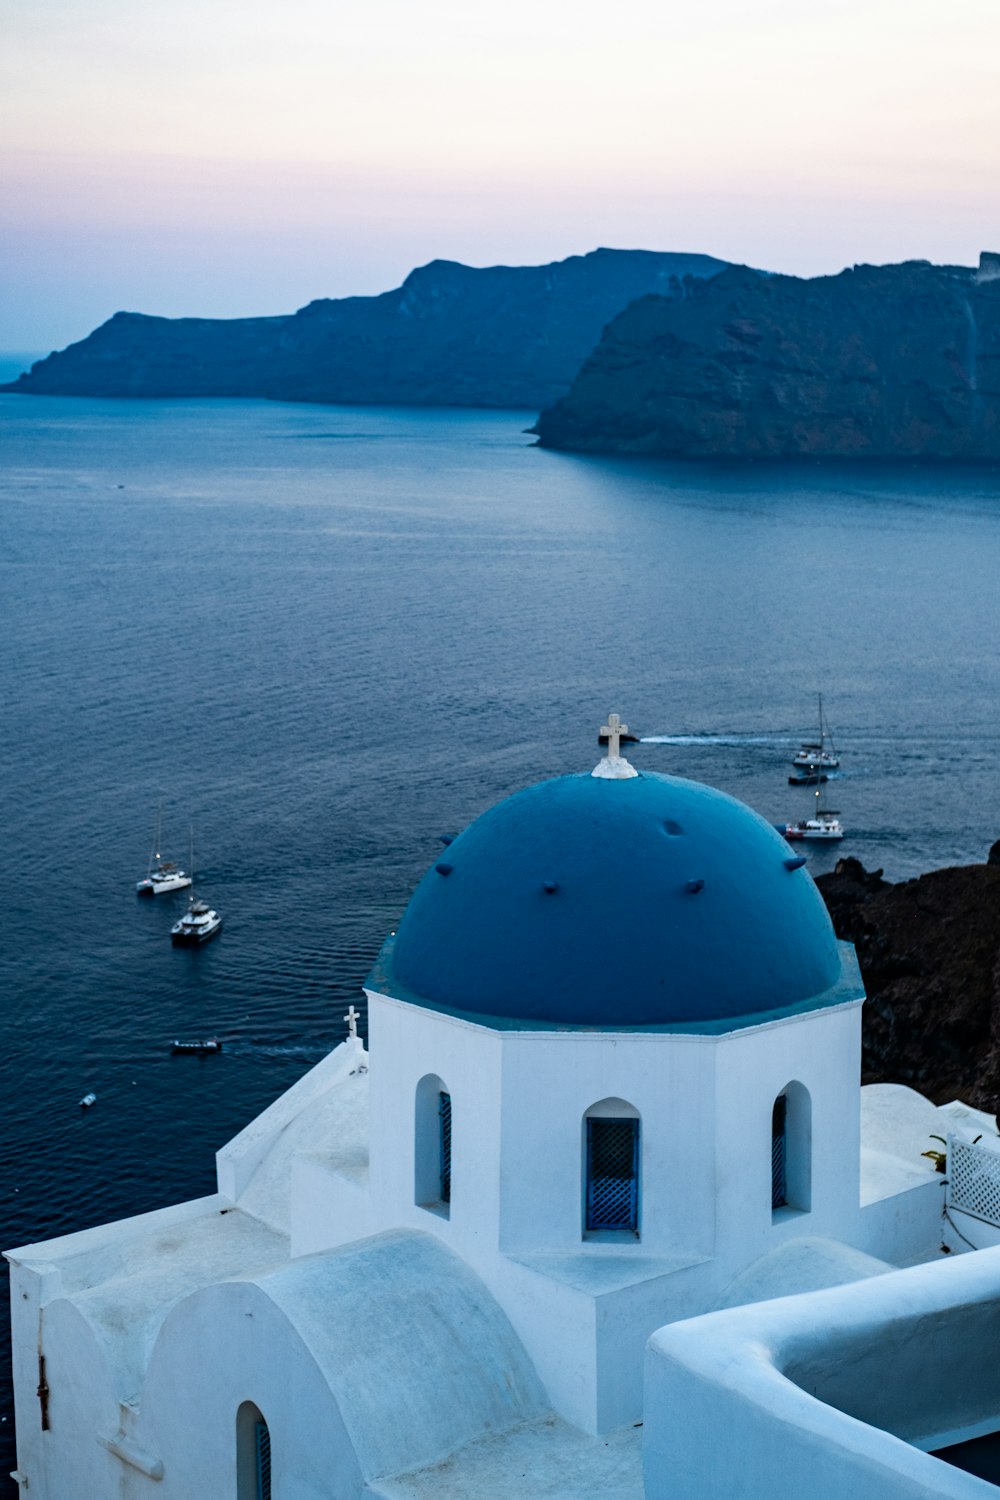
column 88, row 1100
column 196, row 1048
column 818, row 754
column 162, row 875
column 198, row 924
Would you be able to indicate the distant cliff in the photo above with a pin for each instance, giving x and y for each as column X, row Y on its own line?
column 450, row 335
column 879, row 362
column 929, row 951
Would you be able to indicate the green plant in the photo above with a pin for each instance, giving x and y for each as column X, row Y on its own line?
column 939, row 1158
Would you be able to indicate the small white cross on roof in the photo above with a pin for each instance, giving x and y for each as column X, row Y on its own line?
column 352, row 1021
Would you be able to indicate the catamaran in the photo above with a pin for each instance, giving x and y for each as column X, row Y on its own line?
column 819, row 754
column 824, row 824
column 163, row 874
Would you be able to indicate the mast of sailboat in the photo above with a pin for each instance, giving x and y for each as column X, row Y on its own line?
column 824, row 729
column 824, row 812
column 154, row 853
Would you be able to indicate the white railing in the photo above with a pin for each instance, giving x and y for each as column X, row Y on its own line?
column 974, row 1180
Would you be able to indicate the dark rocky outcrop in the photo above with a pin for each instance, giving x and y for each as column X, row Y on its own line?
column 450, row 335
column 929, row 951
column 883, row 362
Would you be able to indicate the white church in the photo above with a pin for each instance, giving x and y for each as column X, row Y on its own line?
column 528, row 1243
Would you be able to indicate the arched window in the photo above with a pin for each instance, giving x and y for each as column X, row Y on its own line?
column 791, row 1149
column 253, row 1454
column 611, row 1168
column 432, row 1146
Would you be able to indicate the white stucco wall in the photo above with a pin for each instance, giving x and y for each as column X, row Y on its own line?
column 831, row 1393
column 822, row 1052
column 411, row 1043
column 584, row 1306
column 93, row 1304
column 252, row 1168
column 384, row 1355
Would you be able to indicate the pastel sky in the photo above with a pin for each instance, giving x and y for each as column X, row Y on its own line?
column 231, row 157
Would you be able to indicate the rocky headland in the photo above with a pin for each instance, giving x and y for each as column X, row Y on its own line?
column 451, row 335
column 929, row 951
column 879, row 362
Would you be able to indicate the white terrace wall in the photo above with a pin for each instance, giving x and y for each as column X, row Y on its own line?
column 829, row 1394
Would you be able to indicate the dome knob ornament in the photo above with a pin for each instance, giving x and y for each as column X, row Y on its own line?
column 614, row 766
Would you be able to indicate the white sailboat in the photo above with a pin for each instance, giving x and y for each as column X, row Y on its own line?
column 818, row 755
column 162, row 875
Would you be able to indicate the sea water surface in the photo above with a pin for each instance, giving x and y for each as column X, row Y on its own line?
column 325, row 636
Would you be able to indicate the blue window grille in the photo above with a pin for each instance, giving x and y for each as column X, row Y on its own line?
column 262, row 1443
column 779, row 1184
column 613, row 1174
column 444, row 1112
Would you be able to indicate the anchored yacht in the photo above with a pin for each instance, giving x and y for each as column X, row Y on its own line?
column 816, row 755
column 824, row 824
column 198, row 924
column 162, row 875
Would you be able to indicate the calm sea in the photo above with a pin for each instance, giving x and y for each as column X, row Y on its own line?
column 324, row 636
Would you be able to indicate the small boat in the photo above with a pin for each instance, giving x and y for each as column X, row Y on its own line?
column 808, row 778
column 163, row 875
column 196, row 1049
column 818, row 754
column 198, row 924
column 824, row 824
column 88, row 1100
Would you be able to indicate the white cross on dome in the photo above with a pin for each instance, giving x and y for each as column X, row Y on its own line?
column 614, row 766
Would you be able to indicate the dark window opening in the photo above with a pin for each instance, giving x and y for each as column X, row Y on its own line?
column 262, row 1440
column 779, row 1183
column 444, row 1111
column 612, row 1174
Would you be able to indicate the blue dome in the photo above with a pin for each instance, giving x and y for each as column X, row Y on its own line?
column 591, row 902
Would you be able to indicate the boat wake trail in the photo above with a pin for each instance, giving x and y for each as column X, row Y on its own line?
column 716, row 739
column 309, row 1054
